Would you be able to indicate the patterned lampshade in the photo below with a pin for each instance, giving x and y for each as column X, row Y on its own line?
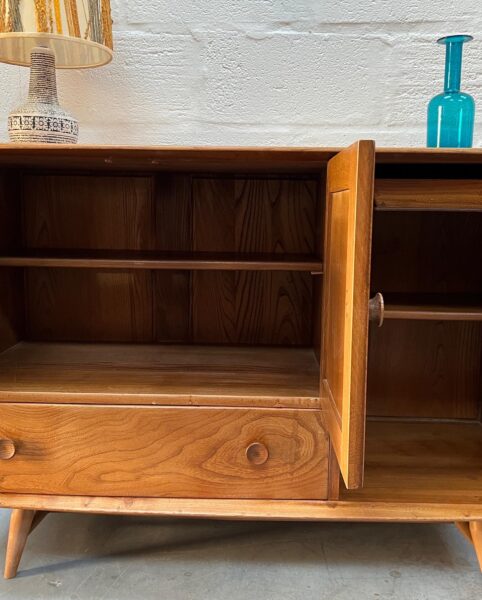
column 78, row 31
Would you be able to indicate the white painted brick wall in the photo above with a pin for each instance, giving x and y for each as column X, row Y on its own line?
column 266, row 72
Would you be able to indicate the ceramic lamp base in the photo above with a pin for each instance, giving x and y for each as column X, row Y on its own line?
column 41, row 119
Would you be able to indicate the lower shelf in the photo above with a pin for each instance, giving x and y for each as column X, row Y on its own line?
column 160, row 374
column 421, row 462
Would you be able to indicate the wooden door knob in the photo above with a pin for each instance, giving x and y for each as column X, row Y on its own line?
column 257, row 453
column 7, row 449
column 376, row 309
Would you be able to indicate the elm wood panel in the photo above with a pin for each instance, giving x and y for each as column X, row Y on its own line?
column 425, row 369
column 87, row 305
column 428, row 194
column 192, row 261
column 253, row 510
column 171, row 306
column 427, row 253
column 155, row 374
column 422, row 462
column 89, row 212
column 163, row 452
column 254, row 215
column 251, row 307
column 171, row 159
column 173, row 212
column 345, row 304
column 173, row 233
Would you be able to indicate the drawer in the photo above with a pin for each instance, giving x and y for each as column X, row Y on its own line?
column 165, row 452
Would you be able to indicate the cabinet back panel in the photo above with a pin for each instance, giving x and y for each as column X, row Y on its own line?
column 425, row 369
column 88, row 212
column 169, row 213
column 252, row 307
column 88, row 305
column 265, row 215
column 423, row 252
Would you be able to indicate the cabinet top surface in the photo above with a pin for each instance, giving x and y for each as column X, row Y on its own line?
column 212, row 158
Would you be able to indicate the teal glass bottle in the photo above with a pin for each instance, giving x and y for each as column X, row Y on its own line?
column 451, row 115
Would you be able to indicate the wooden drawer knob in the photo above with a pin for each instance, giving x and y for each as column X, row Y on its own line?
column 257, row 453
column 376, row 309
column 7, row 449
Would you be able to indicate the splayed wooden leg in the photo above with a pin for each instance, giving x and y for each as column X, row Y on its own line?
column 20, row 526
column 476, row 533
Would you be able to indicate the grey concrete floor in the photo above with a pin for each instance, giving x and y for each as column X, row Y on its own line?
column 90, row 557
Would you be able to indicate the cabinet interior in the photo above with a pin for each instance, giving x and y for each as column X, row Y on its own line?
column 187, row 288
column 120, row 282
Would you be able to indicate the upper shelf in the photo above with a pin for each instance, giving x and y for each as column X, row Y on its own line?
column 191, row 261
column 428, row 194
column 213, row 159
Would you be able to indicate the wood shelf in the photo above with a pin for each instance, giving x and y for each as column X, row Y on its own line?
column 159, row 374
column 428, row 194
column 191, row 261
column 433, row 308
column 433, row 313
column 421, row 462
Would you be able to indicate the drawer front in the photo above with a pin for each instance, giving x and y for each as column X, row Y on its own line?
column 163, row 452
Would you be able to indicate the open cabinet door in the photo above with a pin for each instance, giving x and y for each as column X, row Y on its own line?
column 346, row 289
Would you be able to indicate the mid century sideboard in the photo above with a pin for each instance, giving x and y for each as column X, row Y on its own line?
column 241, row 333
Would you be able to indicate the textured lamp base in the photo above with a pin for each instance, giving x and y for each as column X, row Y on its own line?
column 41, row 119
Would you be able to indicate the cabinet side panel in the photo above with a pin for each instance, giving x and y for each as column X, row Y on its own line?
column 11, row 280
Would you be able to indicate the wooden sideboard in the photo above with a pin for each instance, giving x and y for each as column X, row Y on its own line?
column 236, row 333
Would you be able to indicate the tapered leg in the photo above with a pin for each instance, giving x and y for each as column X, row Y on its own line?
column 464, row 529
column 20, row 526
column 476, row 533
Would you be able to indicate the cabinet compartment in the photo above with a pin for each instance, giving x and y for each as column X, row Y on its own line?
column 421, row 462
column 104, row 276
column 164, row 258
column 425, row 361
column 164, row 452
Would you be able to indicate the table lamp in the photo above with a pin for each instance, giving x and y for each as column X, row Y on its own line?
column 45, row 34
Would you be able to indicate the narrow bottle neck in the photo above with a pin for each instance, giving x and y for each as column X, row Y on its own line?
column 453, row 67
column 43, row 82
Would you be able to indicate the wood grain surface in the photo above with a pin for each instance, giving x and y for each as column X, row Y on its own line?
column 429, row 194
column 61, row 303
column 163, row 452
column 425, row 369
column 252, row 510
column 245, row 216
column 345, row 304
column 422, row 462
column 156, row 374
